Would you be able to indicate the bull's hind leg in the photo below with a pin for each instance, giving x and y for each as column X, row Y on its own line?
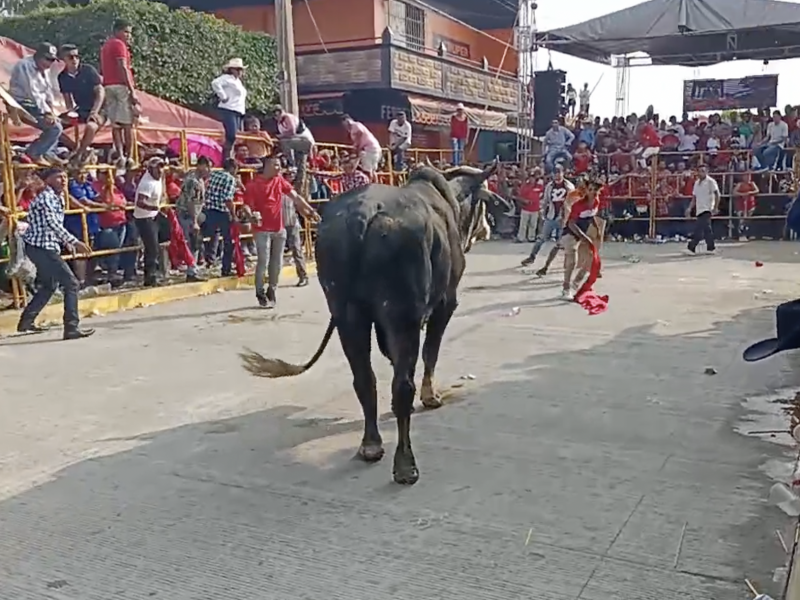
column 403, row 341
column 437, row 324
column 355, row 333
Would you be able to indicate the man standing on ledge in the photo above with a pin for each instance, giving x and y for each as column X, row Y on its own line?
column 43, row 241
column 365, row 144
column 121, row 105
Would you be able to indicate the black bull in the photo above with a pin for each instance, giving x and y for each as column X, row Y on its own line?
column 392, row 258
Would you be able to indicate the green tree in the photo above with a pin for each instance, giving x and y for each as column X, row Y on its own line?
column 175, row 53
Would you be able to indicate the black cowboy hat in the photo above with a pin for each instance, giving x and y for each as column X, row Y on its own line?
column 787, row 324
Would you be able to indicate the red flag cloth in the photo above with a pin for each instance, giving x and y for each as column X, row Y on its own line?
column 178, row 249
column 238, row 255
column 590, row 301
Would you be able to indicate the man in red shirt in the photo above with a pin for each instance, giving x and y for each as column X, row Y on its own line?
column 263, row 197
column 649, row 142
column 459, row 132
column 530, row 196
column 121, row 106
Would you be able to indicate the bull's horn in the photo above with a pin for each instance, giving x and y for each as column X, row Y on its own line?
column 490, row 170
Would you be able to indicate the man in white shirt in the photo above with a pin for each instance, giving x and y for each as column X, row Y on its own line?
column 296, row 141
column 705, row 200
column 585, row 96
column 149, row 194
column 365, row 144
column 399, row 139
column 768, row 154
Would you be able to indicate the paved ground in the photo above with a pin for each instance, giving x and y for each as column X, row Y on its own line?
column 145, row 463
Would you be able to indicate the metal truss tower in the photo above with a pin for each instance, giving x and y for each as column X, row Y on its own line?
column 526, row 61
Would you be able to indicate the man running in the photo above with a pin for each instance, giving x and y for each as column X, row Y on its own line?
column 550, row 218
column 581, row 210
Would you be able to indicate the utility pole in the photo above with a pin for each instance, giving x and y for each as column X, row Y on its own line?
column 287, row 69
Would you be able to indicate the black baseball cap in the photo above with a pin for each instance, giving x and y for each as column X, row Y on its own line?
column 46, row 50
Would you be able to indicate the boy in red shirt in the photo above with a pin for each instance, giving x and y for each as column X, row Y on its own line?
column 263, row 197
column 582, row 159
column 459, row 131
column 530, row 196
column 121, row 105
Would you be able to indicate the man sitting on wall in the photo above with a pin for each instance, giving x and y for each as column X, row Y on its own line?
column 83, row 91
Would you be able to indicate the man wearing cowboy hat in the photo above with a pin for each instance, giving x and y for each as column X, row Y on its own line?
column 232, row 96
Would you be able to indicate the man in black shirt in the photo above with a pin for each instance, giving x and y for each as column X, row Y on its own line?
column 82, row 88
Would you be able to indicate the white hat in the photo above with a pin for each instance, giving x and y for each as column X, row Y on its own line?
column 234, row 63
column 459, row 106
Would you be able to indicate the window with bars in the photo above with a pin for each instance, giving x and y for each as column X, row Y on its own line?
column 407, row 23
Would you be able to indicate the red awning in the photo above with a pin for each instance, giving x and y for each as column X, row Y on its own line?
column 436, row 113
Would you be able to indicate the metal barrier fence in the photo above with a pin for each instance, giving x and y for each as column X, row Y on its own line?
column 647, row 201
column 11, row 171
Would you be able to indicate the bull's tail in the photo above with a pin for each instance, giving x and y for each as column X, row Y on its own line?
column 273, row 368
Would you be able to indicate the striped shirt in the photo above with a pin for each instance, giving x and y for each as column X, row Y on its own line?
column 46, row 222
column 220, row 190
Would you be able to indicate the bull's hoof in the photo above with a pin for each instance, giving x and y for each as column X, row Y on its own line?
column 370, row 453
column 431, row 400
column 405, row 469
column 429, row 397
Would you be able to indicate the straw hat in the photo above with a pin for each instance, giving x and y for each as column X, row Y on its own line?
column 234, row 63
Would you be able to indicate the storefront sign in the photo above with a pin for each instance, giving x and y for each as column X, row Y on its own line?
column 324, row 107
column 451, row 46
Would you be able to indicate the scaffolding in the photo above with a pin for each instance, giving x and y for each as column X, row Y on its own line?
column 524, row 32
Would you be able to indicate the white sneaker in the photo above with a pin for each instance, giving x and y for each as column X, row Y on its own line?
column 566, row 294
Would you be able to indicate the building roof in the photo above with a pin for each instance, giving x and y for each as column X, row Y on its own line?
column 686, row 32
column 481, row 14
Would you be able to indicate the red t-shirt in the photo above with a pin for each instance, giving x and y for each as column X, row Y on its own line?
column 581, row 162
column 459, row 129
column 670, row 140
column 110, row 53
column 748, row 202
column 603, row 198
column 266, row 197
column 532, row 194
column 649, row 137
column 584, row 209
column 111, row 218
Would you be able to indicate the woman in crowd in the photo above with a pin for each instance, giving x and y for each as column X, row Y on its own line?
column 232, row 96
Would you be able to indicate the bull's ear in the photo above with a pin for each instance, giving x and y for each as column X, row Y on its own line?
column 492, row 168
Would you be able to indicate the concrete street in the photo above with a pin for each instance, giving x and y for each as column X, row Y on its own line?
column 577, row 457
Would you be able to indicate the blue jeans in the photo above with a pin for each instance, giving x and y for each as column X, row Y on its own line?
column 550, row 228
column 47, row 142
column 111, row 239
column 553, row 155
column 767, row 156
column 231, row 123
column 458, row 151
column 217, row 220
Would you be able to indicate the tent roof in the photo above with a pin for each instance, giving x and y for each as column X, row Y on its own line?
column 165, row 119
column 686, row 32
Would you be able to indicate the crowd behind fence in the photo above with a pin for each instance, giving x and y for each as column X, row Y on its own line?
column 644, row 201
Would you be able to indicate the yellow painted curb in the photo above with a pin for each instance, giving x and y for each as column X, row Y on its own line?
column 126, row 300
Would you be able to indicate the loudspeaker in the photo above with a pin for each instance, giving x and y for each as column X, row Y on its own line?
column 549, row 88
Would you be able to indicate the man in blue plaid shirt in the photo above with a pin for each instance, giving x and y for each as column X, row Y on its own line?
column 44, row 239
column 220, row 213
